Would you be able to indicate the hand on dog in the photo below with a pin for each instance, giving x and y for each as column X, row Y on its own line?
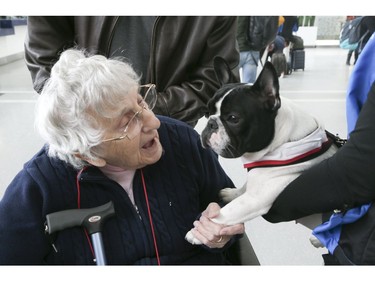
column 212, row 234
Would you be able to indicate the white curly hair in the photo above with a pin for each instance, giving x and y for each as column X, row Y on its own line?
column 82, row 91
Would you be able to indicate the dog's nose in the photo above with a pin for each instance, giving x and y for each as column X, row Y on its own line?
column 212, row 124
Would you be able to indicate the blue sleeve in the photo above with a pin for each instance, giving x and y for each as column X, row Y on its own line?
column 360, row 83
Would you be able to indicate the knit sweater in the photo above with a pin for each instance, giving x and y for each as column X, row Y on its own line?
column 179, row 187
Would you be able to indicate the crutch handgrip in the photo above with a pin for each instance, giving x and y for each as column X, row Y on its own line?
column 91, row 219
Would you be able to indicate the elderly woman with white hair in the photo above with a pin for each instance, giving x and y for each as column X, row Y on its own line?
column 103, row 143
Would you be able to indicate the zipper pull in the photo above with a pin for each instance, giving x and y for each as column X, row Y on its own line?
column 136, row 209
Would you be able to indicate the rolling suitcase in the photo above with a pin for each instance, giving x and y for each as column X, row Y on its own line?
column 298, row 59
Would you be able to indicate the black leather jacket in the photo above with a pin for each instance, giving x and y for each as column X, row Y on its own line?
column 181, row 59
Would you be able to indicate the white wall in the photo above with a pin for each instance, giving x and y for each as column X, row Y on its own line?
column 11, row 46
column 308, row 34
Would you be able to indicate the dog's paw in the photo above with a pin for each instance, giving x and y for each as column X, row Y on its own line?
column 315, row 242
column 191, row 239
column 228, row 194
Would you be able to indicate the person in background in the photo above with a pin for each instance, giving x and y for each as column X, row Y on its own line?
column 277, row 46
column 367, row 26
column 350, row 52
column 249, row 59
column 360, row 82
column 286, row 31
column 104, row 143
column 174, row 53
column 289, row 26
column 349, row 56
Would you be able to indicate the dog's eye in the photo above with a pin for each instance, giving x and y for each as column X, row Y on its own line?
column 233, row 119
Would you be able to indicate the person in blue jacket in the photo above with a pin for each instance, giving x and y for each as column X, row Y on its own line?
column 346, row 181
column 360, row 82
column 103, row 143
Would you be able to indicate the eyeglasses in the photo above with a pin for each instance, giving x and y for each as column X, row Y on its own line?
column 148, row 101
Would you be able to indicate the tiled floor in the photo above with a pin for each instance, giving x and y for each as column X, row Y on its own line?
column 319, row 89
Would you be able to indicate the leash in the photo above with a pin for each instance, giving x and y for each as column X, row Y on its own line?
column 339, row 142
column 150, row 218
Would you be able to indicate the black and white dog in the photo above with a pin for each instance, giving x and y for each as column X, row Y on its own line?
column 275, row 139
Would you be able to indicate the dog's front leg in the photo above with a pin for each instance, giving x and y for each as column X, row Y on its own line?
column 258, row 195
column 254, row 201
column 191, row 238
column 244, row 208
column 240, row 210
column 229, row 194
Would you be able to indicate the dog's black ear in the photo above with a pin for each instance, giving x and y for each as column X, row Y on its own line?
column 267, row 84
column 222, row 70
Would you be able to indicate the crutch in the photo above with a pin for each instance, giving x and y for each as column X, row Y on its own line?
column 91, row 219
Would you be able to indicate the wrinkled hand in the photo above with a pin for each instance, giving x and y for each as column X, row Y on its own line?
column 212, row 234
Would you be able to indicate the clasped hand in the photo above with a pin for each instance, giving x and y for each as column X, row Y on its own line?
column 212, row 234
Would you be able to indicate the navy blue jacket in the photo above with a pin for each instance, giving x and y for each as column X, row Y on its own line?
column 180, row 186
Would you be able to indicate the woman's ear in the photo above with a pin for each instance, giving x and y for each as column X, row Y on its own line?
column 98, row 162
